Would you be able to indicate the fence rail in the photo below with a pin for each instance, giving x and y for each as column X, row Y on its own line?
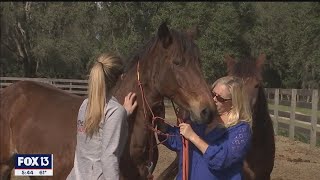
column 293, row 99
column 74, row 86
column 290, row 98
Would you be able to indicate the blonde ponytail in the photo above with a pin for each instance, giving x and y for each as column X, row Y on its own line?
column 103, row 76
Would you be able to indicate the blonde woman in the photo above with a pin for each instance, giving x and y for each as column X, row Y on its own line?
column 102, row 124
column 218, row 149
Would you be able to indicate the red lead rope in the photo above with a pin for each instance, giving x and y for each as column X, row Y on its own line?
column 185, row 151
column 185, row 142
column 185, row 160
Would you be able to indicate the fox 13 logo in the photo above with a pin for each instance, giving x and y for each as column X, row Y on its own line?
column 34, row 165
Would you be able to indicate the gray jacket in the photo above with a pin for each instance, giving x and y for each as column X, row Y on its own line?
column 98, row 158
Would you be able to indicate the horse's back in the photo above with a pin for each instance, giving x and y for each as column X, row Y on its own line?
column 24, row 96
column 39, row 118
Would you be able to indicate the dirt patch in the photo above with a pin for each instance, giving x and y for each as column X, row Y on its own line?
column 295, row 160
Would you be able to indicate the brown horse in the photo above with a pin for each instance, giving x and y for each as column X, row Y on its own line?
column 39, row 118
column 260, row 159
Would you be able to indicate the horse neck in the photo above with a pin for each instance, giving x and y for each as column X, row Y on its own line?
column 148, row 69
column 260, row 110
column 149, row 77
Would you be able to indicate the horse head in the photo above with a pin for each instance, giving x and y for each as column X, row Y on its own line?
column 250, row 70
column 169, row 66
column 179, row 73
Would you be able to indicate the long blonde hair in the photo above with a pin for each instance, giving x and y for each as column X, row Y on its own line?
column 240, row 110
column 103, row 76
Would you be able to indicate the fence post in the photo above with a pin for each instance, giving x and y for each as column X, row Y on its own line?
column 292, row 113
column 313, row 130
column 267, row 92
column 275, row 111
column 70, row 88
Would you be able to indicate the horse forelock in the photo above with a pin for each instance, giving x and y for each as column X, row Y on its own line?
column 182, row 44
column 185, row 44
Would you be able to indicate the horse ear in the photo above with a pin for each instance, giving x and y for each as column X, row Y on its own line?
column 230, row 62
column 260, row 61
column 193, row 33
column 164, row 35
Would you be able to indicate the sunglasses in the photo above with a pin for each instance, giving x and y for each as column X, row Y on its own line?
column 219, row 98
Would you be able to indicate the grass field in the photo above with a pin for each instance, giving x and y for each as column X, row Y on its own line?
column 298, row 110
column 302, row 137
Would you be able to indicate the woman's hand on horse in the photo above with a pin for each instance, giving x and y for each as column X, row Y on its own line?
column 130, row 103
column 186, row 131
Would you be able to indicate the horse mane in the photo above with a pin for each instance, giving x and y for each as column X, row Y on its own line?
column 260, row 109
column 145, row 49
column 261, row 106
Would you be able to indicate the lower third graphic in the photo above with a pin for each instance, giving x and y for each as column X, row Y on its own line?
column 33, row 165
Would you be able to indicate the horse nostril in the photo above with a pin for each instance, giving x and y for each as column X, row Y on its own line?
column 206, row 114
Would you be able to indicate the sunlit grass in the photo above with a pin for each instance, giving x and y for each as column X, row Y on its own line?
column 299, row 110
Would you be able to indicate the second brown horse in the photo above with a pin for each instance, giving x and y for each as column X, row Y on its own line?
column 260, row 158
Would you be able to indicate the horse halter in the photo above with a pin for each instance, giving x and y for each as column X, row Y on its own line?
column 158, row 132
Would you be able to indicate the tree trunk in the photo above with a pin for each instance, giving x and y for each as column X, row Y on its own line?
column 29, row 67
column 21, row 38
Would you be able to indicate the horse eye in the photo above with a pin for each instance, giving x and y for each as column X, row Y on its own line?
column 176, row 62
column 256, row 86
column 179, row 62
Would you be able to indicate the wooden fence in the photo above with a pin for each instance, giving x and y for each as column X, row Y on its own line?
column 74, row 86
column 291, row 120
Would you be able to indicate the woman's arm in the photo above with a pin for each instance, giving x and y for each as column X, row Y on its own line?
column 231, row 150
column 221, row 155
column 173, row 141
column 187, row 131
column 199, row 143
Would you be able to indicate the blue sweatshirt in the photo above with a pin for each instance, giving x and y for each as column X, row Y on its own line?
column 223, row 158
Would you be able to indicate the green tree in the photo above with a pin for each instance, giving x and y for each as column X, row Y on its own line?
column 16, row 35
column 288, row 34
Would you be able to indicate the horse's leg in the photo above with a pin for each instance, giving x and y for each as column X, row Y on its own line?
column 41, row 177
column 6, row 148
column 6, row 167
column 253, row 169
column 247, row 171
column 171, row 171
column 137, row 170
column 143, row 170
column 265, row 176
column 155, row 158
column 6, row 163
column 260, row 158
